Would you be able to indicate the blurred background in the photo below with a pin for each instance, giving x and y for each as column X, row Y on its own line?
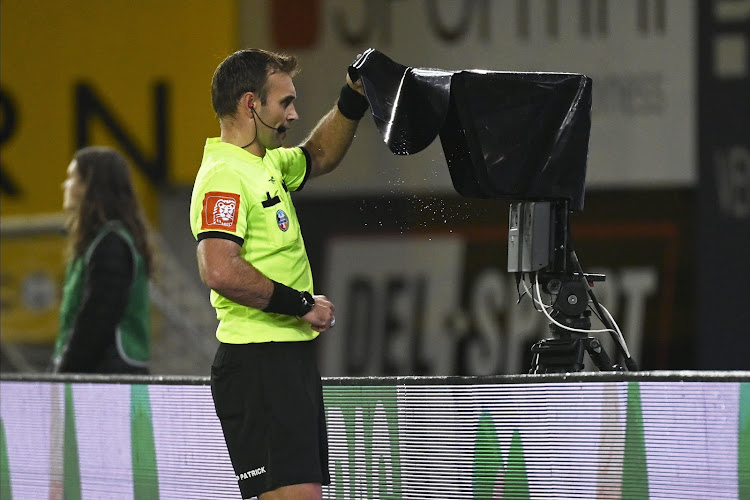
column 417, row 272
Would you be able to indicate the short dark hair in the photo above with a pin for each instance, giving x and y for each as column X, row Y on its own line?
column 246, row 71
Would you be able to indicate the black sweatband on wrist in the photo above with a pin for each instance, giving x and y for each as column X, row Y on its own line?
column 351, row 103
column 286, row 300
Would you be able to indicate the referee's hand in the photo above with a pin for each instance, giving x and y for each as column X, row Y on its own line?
column 321, row 316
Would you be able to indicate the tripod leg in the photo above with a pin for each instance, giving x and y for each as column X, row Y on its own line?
column 598, row 355
column 620, row 343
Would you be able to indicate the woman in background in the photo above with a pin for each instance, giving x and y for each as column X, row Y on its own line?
column 105, row 321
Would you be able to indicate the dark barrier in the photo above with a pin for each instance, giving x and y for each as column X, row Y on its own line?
column 581, row 435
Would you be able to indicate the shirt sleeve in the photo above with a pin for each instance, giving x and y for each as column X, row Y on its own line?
column 109, row 278
column 218, row 209
column 295, row 167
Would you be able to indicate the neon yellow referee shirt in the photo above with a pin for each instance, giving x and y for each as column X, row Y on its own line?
column 245, row 198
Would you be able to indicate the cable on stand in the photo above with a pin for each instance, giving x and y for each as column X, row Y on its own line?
column 539, row 246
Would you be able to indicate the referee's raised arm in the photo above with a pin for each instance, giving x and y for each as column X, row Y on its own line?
column 330, row 139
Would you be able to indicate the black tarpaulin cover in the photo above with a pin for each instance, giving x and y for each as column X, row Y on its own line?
column 504, row 134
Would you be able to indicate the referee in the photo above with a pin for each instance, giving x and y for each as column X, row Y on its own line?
column 265, row 382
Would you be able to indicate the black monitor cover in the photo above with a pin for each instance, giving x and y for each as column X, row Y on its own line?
column 504, row 134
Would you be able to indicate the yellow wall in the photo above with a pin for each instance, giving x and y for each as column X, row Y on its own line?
column 30, row 291
column 121, row 49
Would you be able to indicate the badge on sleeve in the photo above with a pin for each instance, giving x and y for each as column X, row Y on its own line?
column 220, row 211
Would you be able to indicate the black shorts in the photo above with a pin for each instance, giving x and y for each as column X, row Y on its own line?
column 269, row 399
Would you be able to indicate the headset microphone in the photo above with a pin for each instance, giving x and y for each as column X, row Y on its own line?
column 280, row 129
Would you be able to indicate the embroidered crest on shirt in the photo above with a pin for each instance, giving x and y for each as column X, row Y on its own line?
column 220, row 211
column 282, row 220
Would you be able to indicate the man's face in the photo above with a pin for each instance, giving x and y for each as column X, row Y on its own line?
column 277, row 111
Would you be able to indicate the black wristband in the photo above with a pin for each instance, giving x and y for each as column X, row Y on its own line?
column 351, row 103
column 289, row 301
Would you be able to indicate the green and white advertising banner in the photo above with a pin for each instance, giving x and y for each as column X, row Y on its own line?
column 392, row 439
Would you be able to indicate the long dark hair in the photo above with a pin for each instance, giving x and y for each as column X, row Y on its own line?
column 108, row 195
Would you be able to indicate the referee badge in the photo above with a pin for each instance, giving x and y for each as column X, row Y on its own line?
column 282, row 220
column 220, row 211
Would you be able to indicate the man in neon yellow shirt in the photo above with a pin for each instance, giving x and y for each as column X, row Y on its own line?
column 264, row 379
